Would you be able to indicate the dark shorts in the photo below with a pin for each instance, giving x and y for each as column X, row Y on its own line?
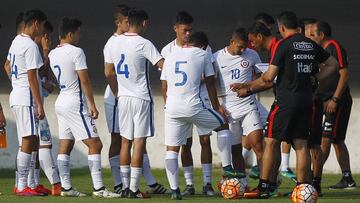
column 335, row 125
column 316, row 122
column 288, row 123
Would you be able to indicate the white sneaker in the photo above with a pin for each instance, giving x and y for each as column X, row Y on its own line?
column 105, row 193
column 72, row 193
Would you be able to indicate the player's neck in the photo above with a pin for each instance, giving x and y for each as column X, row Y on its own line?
column 136, row 30
column 230, row 51
column 268, row 42
column 29, row 32
column 325, row 42
column 65, row 41
column 119, row 32
column 179, row 42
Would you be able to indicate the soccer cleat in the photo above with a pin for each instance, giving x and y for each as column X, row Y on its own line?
column 156, row 189
column 56, row 189
column 28, row 192
column 124, row 193
column 105, row 193
column 189, row 190
column 138, row 195
column 176, row 195
column 254, row 172
column 208, row 190
column 288, row 173
column 14, row 189
column 118, row 189
column 42, row 189
column 71, row 193
column 318, row 189
column 232, row 173
column 344, row 184
column 257, row 194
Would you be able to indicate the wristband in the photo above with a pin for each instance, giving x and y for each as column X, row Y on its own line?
column 335, row 99
column 248, row 90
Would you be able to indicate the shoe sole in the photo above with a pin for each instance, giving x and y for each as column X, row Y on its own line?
column 346, row 188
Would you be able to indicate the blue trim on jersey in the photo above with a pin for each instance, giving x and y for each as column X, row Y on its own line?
column 32, row 120
column 217, row 117
column 31, row 98
column 114, row 116
column 81, row 109
column 151, row 99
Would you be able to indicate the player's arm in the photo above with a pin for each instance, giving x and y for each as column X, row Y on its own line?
column 160, row 64
column 7, row 68
column 164, row 89
column 255, row 86
column 327, row 67
column 35, row 90
column 210, row 86
column 86, row 87
column 2, row 118
column 110, row 75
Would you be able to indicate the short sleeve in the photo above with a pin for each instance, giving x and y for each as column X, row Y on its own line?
column 107, row 58
column 338, row 53
column 321, row 55
column 80, row 60
column 209, row 50
column 163, row 72
column 209, row 69
column 278, row 54
column 151, row 53
column 33, row 58
column 8, row 57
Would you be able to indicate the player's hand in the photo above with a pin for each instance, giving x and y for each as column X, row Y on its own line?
column 236, row 86
column 2, row 119
column 223, row 113
column 331, row 107
column 242, row 92
column 40, row 113
column 93, row 112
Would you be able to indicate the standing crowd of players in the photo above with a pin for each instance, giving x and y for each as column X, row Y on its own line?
column 304, row 65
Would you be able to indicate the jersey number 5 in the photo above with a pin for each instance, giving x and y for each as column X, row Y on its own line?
column 58, row 76
column 178, row 71
column 126, row 68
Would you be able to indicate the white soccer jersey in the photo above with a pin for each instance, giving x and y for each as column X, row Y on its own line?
column 129, row 53
column 23, row 55
column 183, row 70
column 236, row 69
column 172, row 46
column 109, row 97
column 65, row 60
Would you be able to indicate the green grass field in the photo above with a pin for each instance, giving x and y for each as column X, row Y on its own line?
column 82, row 181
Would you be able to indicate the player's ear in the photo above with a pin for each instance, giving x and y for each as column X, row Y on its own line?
column 175, row 28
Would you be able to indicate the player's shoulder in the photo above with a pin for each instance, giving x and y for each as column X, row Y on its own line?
column 111, row 39
column 166, row 50
column 219, row 53
column 24, row 41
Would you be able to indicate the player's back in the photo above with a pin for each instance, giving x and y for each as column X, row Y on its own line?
column 183, row 70
column 23, row 55
column 130, row 54
column 65, row 60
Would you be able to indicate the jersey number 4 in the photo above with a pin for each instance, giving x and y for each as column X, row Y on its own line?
column 178, row 71
column 58, row 76
column 126, row 68
column 14, row 69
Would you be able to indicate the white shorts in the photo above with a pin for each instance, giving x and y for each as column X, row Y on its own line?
column 244, row 126
column 26, row 123
column 263, row 112
column 177, row 129
column 112, row 117
column 75, row 124
column 44, row 132
column 137, row 118
column 207, row 104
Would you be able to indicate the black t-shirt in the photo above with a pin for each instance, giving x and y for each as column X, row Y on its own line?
column 327, row 87
column 297, row 58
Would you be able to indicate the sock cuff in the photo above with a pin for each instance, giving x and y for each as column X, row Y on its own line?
column 114, row 158
column 224, row 133
column 125, row 168
column 136, row 169
column 187, row 168
column 63, row 157
column 285, row 154
column 94, row 157
column 171, row 155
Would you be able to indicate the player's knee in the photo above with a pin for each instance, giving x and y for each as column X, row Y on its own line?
column 205, row 141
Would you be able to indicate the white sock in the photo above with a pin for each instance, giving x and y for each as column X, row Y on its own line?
column 245, row 153
column 16, row 169
column 135, row 176
column 125, row 175
column 150, row 180
column 172, row 169
column 64, row 170
column 285, row 161
column 207, row 173
column 94, row 161
column 23, row 162
column 224, row 145
column 188, row 174
column 47, row 164
column 115, row 169
column 37, row 176
column 31, row 177
column 244, row 181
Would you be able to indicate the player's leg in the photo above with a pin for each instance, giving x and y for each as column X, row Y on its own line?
column 238, row 159
column 285, row 170
column 302, row 161
column 188, row 165
column 125, row 159
column 153, row 186
column 206, row 164
column 34, row 165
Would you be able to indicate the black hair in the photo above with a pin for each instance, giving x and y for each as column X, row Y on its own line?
column 264, row 18
column 19, row 19
column 288, row 19
column 325, row 28
column 241, row 34
column 34, row 15
column 183, row 17
column 305, row 21
column 199, row 39
column 67, row 25
column 48, row 27
column 259, row 28
column 137, row 16
column 121, row 10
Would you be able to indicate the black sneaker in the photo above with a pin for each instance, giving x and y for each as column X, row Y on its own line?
column 138, row 195
column 118, row 189
column 124, row 193
column 189, row 190
column 208, row 190
column 344, row 184
column 318, row 189
column 156, row 189
column 176, row 195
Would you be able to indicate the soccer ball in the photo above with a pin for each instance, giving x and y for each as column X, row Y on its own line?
column 232, row 188
column 220, row 182
column 304, row 193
